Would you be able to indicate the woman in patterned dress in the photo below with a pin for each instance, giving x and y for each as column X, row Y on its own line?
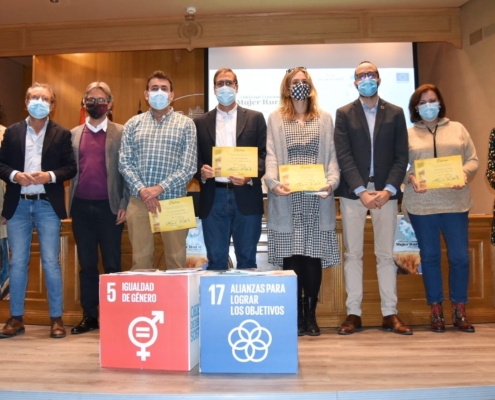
column 490, row 174
column 301, row 226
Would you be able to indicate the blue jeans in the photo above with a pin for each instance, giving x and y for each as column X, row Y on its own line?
column 225, row 221
column 454, row 227
column 37, row 214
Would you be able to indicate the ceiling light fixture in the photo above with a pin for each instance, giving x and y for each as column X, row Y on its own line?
column 191, row 10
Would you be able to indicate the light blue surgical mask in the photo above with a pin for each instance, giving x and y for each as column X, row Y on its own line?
column 367, row 87
column 429, row 111
column 225, row 95
column 38, row 109
column 158, row 99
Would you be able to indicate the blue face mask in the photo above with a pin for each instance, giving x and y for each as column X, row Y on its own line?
column 367, row 87
column 429, row 111
column 38, row 109
column 158, row 99
column 225, row 95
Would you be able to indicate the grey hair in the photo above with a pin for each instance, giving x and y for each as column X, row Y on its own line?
column 44, row 86
column 99, row 85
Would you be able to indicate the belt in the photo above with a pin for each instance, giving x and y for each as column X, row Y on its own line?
column 39, row 196
column 371, row 179
column 224, row 185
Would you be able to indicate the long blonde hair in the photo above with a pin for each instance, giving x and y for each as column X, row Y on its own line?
column 286, row 106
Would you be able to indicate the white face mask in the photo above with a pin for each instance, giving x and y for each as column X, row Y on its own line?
column 158, row 99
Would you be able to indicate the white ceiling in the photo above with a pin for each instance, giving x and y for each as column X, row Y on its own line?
column 13, row 12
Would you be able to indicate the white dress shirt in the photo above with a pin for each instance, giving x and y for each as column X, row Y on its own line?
column 226, row 129
column 32, row 158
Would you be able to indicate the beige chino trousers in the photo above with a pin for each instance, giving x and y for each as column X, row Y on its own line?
column 384, row 222
column 143, row 240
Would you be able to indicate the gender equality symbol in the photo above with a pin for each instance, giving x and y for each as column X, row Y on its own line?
column 145, row 329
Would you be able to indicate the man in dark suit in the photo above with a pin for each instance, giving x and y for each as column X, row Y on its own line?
column 98, row 200
column 233, row 206
column 372, row 150
column 36, row 158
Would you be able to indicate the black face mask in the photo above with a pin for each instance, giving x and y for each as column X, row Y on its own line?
column 96, row 111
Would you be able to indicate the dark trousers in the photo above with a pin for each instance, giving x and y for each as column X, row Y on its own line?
column 94, row 224
column 309, row 274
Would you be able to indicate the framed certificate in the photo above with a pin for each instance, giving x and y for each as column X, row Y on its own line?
column 441, row 172
column 176, row 214
column 309, row 177
column 235, row 161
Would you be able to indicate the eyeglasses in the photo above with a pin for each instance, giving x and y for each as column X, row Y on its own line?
column 157, row 88
column 364, row 75
column 292, row 69
column 99, row 100
column 219, row 84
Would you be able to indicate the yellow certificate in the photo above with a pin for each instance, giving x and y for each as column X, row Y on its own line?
column 176, row 214
column 310, row 177
column 441, row 172
column 235, row 161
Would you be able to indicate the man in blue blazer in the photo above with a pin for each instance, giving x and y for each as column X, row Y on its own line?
column 36, row 158
column 372, row 150
column 233, row 206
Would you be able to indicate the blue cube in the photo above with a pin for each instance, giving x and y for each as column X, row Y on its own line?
column 248, row 323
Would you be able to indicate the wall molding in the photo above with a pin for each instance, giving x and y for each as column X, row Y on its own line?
column 432, row 25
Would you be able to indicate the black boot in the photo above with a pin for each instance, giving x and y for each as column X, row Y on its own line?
column 301, row 328
column 312, row 328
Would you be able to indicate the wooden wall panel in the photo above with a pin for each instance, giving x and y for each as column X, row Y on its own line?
column 331, row 311
column 126, row 73
column 12, row 40
column 412, row 305
column 277, row 29
column 229, row 30
column 97, row 36
column 415, row 26
column 36, row 304
column 27, row 80
column 331, row 308
column 11, row 96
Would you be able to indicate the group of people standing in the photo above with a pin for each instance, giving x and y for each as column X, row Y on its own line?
column 120, row 173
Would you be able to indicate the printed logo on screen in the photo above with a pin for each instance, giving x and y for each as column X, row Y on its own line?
column 143, row 333
column 250, row 341
column 402, row 76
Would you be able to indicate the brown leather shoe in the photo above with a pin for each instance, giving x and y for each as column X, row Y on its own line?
column 57, row 329
column 437, row 321
column 12, row 327
column 351, row 324
column 392, row 323
column 460, row 319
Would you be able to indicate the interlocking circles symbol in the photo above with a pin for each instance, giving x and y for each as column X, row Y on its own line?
column 250, row 341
